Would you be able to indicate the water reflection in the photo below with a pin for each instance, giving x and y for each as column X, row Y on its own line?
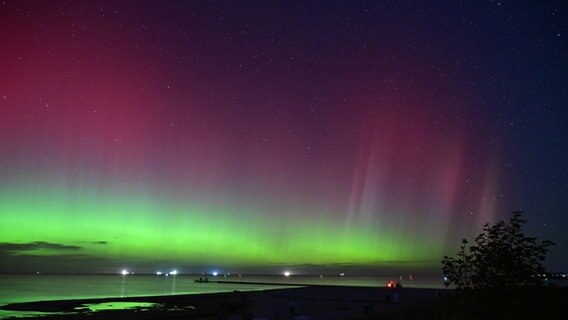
column 122, row 286
column 123, row 305
column 173, row 284
column 117, row 306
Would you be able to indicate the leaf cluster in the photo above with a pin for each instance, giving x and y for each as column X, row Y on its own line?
column 502, row 257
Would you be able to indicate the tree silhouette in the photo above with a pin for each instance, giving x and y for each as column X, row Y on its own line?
column 502, row 257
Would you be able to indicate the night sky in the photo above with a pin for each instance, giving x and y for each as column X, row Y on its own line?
column 248, row 136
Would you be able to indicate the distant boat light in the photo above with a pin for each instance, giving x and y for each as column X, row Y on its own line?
column 158, row 273
column 215, row 273
column 287, row 273
column 174, row 272
column 124, row 272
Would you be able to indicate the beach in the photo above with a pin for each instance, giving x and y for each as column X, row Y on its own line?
column 305, row 301
column 310, row 302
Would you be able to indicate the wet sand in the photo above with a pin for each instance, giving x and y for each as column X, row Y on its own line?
column 310, row 302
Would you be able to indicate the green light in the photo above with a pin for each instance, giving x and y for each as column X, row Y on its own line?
column 139, row 227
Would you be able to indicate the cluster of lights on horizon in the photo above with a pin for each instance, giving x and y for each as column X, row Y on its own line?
column 286, row 273
column 125, row 272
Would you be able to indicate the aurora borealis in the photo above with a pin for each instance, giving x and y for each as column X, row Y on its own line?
column 256, row 135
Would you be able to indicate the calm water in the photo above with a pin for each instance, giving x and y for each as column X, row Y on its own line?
column 23, row 288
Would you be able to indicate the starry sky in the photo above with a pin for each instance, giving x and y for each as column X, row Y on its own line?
column 258, row 136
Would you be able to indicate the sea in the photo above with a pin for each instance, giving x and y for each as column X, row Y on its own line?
column 39, row 287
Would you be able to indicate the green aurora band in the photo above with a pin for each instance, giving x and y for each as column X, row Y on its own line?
column 134, row 227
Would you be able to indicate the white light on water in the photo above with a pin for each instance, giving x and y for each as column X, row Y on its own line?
column 215, row 273
column 286, row 273
column 124, row 272
column 158, row 273
column 174, row 272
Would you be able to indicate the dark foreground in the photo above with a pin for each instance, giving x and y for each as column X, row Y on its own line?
column 324, row 303
column 330, row 302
